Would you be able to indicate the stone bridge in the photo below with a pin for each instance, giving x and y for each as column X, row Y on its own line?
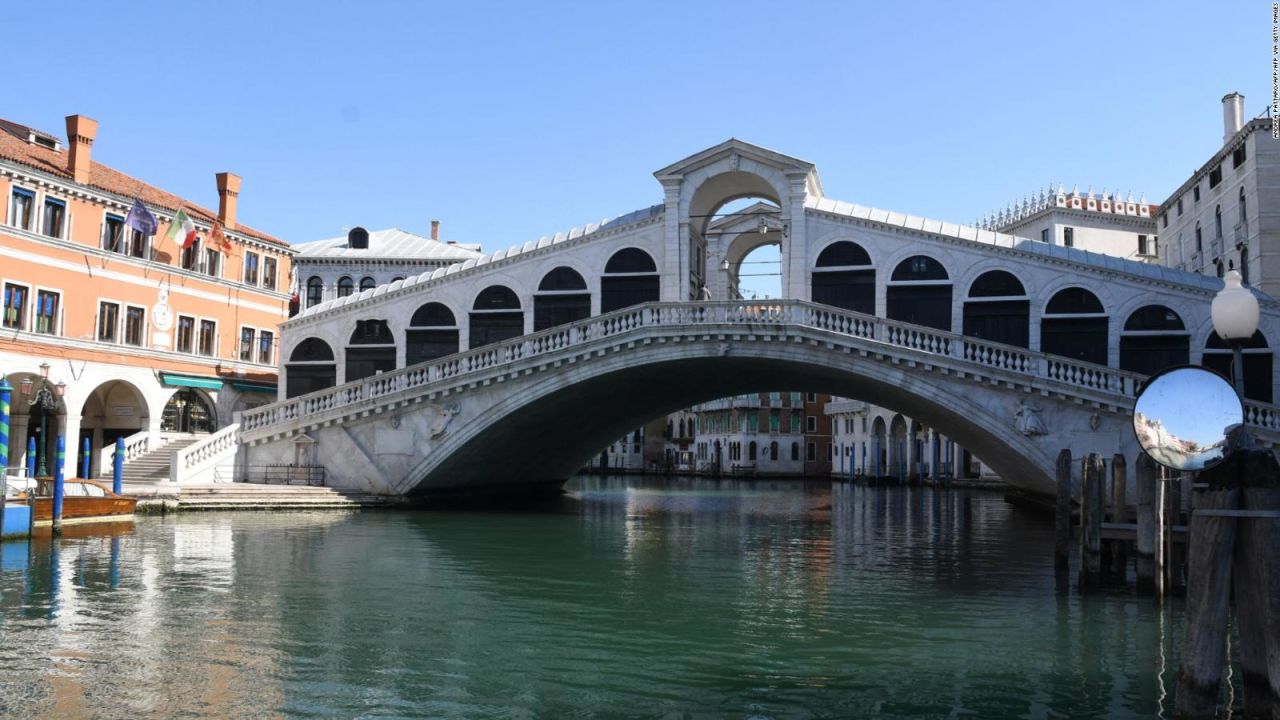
column 517, row 366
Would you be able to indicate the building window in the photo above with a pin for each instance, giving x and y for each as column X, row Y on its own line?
column 134, row 324
column 186, row 333
column 795, row 422
column 47, row 303
column 345, row 286
column 774, row 421
column 812, row 397
column 137, row 244
column 108, row 321
column 1179, row 207
column 190, row 256
column 1164, row 219
column 113, row 234
column 811, row 452
column 246, row 344
column 775, row 399
column 265, row 340
column 20, row 205
column 1044, row 235
column 1217, row 222
column 1238, row 156
column 1215, row 177
column 208, row 340
column 1195, row 193
column 212, row 262
column 1199, row 238
column 1142, row 245
column 367, row 283
column 55, row 216
column 811, row 423
column 315, row 291
column 251, row 268
column 1068, row 237
column 15, row 306
column 269, row 273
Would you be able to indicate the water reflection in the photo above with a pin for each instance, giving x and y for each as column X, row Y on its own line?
column 697, row 597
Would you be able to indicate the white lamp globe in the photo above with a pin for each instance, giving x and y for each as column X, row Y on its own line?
column 1234, row 311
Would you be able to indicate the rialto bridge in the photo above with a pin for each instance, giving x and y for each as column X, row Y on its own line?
column 517, row 366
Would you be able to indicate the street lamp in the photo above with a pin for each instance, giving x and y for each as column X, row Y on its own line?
column 1235, row 319
column 47, row 398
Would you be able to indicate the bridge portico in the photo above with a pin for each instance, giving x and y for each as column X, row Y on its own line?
column 941, row 304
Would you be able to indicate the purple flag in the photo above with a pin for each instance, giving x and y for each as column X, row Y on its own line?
column 141, row 219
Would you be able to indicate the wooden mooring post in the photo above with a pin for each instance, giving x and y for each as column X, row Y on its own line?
column 1257, row 585
column 1146, row 475
column 1090, row 576
column 1062, row 519
column 1118, row 557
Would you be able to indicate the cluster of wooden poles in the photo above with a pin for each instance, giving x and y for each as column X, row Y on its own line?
column 1228, row 545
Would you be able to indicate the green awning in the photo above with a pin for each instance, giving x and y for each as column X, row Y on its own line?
column 253, row 387
column 176, row 380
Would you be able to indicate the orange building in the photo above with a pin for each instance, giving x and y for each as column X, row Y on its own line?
column 143, row 339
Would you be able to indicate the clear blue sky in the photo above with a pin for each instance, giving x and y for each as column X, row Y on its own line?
column 509, row 121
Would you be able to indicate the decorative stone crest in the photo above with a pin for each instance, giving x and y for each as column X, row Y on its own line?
column 1027, row 420
column 443, row 415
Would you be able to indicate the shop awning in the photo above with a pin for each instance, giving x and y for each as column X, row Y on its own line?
column 195, row 381
column 254, row 387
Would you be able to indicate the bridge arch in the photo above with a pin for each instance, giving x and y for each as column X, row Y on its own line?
column 496, row 315
column 311, row 367
column 371, row 349
column 432, row 333
column 919, row 291
column 675, row 375
column 1259, row 364
column 1153, row 338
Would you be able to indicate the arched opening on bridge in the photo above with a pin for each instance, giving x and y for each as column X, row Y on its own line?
column 495, row 316
column 1154, row 338
column 311, row 367
column 114, row 409
column 371, row 350
column 630, row 278
column 562, row 297
column 432, row 333
column 1257, row 364
column 843, row 277
column 189, row 410
column 1074, row 326
column 315, row 290
column 919, row 292
column 742, row 259
column 998, row 309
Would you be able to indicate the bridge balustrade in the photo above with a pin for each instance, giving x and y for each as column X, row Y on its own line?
column 891, row 333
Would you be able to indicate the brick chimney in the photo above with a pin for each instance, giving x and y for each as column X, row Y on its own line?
column 81, row 131
column 228, row 196
column 1232, row 115
column 435, row 230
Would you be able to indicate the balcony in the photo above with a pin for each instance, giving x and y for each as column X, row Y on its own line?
column 1241, row 233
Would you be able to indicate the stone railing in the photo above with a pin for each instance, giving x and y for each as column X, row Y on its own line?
column 1094, row 382
column 199, row 461
column 135, row 446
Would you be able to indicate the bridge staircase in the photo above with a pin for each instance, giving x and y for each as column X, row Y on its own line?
column 147, row 460
column 255, row 496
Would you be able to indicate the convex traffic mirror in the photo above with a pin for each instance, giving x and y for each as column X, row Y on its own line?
column 1183, row 415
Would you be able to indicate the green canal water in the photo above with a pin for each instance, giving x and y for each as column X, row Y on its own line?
column 625, row 598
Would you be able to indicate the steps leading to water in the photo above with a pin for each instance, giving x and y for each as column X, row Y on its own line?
column 154, row 466
column 247, row 496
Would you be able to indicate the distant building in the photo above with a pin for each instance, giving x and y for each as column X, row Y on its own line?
column 1105, row 223
column 361, row 260
column 1223, row 217
column 754, row 434
column 148, row 337
column 875, row 442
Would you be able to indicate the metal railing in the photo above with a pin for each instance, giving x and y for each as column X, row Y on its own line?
column 312, row 475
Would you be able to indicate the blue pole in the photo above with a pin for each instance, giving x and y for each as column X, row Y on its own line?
column 6, row 392
column 59, row 479
column 31, row 457
column 117, row 468
column 84, row 462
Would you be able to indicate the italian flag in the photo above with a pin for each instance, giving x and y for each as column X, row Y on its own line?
column 181, row 230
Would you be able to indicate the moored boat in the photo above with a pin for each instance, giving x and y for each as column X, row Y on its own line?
column 82, row 501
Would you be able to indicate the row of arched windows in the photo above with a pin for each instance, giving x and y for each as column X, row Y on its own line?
column 630, row 277
column 1074, row 323
column 346, row 286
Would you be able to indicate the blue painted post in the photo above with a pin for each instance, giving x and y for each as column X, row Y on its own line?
column 84, row 462
column 6, row 392
column 117, row 468
column 31, row 457
column 59, row 478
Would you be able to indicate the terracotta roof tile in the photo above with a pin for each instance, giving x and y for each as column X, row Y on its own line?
column 109, row 179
